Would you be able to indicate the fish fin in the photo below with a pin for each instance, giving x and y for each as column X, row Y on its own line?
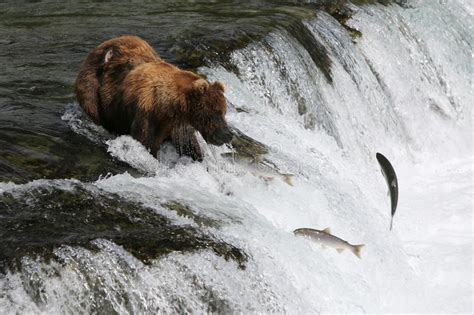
column 357, row 249
column 391, row 223
column 388, row 192
column 228, row 154
column 287, row 178
column 340, row 250
column 266, row 178
column 327, row 230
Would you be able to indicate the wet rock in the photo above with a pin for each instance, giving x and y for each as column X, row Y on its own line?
column 316, row 50
column 37, row 221
column 186, row 211
column 342, row 14
column 341, row 11
column 242, row 110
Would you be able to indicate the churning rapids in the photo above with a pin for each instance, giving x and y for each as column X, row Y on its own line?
column 90, row 222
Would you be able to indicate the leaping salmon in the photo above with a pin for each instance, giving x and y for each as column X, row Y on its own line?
column 392, row 182
column 325, row 238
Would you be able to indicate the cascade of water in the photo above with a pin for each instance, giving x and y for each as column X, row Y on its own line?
column 402, row 88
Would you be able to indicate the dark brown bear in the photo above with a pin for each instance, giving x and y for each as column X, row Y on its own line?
column 110, row 61
column 124, row 86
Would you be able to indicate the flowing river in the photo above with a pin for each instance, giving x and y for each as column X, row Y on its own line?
column 92, row 223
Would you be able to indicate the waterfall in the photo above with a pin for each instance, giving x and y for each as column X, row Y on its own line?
column 323, row 100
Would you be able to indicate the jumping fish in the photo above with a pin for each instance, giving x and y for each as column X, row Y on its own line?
column 258, row 166
column 325, row 238
column 391, row 178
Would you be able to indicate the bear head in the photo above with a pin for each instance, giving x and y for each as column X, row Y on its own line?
column 207, row 112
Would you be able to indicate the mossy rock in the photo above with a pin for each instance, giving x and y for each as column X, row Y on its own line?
column 342, row 14
column 36, row 222
column 186, row 211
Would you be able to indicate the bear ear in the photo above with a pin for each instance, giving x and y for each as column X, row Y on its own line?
column 219, row 85
column 108, row 55
column 200, row 86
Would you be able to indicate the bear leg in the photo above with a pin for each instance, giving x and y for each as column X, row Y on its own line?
column 87, row 89
column 143, row 131
column 185, row 141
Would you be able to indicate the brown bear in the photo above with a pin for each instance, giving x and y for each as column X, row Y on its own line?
column 111, row 60
column 128, row 89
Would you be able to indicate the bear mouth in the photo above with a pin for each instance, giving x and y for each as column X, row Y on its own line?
column 221, row 138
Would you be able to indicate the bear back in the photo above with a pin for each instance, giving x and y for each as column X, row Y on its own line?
column 104, row 69
column 159, row 86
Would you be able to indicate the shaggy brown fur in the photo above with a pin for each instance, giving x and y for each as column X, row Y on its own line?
column 109, row 62
column 132, row 91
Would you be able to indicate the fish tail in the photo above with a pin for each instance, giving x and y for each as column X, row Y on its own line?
column 356, row 250
column 287, row 178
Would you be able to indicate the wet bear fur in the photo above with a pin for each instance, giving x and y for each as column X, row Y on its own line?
column 125, row 86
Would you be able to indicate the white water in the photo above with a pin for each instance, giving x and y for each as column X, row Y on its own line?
column 404, row 89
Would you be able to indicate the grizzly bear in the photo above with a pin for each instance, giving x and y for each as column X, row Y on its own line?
column 124, row 86
column 111, row 60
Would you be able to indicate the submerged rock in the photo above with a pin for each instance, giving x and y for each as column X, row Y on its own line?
column 342, row 12
column 26, row 156
column 186, row 211
column 315, row 49
column 37, row 221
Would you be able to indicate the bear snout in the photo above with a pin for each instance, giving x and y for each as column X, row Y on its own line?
column 221, row 136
